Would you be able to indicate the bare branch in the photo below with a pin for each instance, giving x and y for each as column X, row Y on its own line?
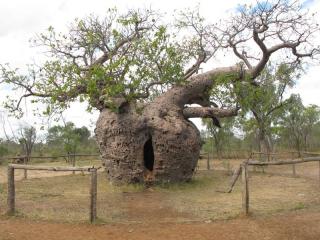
column 270, row 26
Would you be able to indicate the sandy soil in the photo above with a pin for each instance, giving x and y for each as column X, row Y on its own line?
column 163, row 221
column 302, row 225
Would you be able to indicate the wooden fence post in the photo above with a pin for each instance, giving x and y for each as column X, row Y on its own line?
column 294, row 170
column 11, row 192
column 208, row 162
column 245, row 188
column 319, row 171
column 73, row 162
column 25, row 171
column 93, row 195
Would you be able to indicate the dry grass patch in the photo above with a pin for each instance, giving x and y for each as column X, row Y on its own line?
column 66, row 198
column 19, row 174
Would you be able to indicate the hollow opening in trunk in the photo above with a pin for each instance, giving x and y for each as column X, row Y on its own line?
column 148, row 155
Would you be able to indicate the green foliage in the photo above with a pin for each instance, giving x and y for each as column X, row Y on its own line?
column 298, row 123
column 27, row 139
column 3, row 151
column 273, row 82
column 102, row 58
column 68, row 137
column 219, row 139
column 265, row 103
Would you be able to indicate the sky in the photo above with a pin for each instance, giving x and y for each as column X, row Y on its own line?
column 21, row 20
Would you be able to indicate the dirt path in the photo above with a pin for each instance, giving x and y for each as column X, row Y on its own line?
column 151, row 207
column 302, row 225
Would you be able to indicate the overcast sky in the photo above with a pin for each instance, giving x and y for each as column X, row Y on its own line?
column 20, row 20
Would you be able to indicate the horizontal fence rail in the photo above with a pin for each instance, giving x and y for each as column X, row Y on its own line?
column 283, row 162
column 48, row 168
column 245, row 178
column 50, row 157
column 71, row 159
column 93, row 186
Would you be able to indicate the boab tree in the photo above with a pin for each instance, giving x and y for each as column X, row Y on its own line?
column 142, row 75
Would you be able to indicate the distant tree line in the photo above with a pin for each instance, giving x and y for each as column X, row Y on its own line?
column 66, row 139
column 271, row 120
column 296, row 128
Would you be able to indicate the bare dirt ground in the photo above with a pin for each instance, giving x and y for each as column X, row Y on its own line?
column 302, row 225
column 282, row 206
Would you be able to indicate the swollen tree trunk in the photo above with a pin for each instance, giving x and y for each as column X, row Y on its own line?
column 156, row 142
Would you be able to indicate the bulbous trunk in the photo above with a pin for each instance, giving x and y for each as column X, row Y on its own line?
column 155, row 145
column 156, row 142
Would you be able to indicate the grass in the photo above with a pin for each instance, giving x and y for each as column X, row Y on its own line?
column 39, row 174
column 66, row 198
column 299, row 206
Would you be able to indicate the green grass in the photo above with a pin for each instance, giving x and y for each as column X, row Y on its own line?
column 299, row 206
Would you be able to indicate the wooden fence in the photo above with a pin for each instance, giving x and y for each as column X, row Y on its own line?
column 93, row 186
column 25, row 159
column 243, row 169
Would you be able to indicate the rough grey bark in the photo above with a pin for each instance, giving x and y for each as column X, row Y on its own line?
column 159, row 143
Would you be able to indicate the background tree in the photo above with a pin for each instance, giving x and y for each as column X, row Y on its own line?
column 142, row 77
column 220, row 137
column 314, row 144
column 311, row 115
column 266, row 102
column 3, row 150
column 298, row 123
column 27, row 139
column 68, row 137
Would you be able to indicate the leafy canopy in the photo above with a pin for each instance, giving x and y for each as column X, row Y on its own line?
column 136, row 56
column 102, row 59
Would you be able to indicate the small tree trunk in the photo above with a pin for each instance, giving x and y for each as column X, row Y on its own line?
column 265, row 145
column 245, row 189
column 93, row 196
column 73, row 161
column 208, row 162
column 25, row 173
column 11, row 191
column 212, row 154
column 298, row 147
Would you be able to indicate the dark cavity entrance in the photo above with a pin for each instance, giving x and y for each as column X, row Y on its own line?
column 148, row 155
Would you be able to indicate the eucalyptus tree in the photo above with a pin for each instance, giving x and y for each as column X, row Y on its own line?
column 27, row 137
column 266, row 102
column 221, row 135
column 67, row 137
column 311, row 115
column 141, row 73
column 3, row 149
column 298, row 123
